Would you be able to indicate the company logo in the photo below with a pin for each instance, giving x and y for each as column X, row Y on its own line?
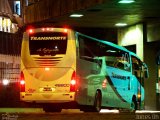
column 49, row 38
column 119, row 76
column 7, row 116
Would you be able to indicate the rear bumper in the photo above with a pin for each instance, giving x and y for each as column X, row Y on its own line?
column 47, row 97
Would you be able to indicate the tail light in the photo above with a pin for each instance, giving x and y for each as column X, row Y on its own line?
column 30, row 31
column 73, row 82
column 22, row 82
column 104, row 83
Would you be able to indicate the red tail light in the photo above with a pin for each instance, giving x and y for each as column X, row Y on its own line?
column 73, row 82
column 65, row 30
column 22, row 83
column 104, row 83
column 30, row 31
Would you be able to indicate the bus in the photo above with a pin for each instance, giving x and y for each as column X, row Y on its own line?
column 62, row 68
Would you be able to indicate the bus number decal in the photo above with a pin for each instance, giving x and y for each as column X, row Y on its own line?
column 30, row 90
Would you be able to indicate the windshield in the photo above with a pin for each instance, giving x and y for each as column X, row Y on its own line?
column 48, row 43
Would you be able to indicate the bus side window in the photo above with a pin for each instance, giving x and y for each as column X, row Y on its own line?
column 84, row 47
column 135, row 66
column 120, row 65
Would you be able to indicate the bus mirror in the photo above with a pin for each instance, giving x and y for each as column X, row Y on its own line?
column 146, row 75
column 145, row 69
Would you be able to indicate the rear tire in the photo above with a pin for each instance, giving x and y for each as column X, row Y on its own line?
column 98, row 101
column 96, row 107
column 134, row 104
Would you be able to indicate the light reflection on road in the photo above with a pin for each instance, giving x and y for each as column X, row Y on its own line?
column 147, row 111
column 109, row 111
column 137, row 111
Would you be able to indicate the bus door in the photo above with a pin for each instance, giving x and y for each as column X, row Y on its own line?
column 138, row 80
column 140, row 72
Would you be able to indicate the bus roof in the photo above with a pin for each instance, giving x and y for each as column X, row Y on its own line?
column 133, row 54
column 111, row 44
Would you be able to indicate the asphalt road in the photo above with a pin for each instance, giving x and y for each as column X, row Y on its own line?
column 66, row 116
column 39, row 114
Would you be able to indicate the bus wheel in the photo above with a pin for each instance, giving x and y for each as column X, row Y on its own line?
column 97, row 102
column 134, row 104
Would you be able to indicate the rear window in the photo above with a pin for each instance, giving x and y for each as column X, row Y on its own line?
column 48, row 43
column 118, row 59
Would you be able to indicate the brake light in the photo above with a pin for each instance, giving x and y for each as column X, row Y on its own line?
column 30, row 31
column 5, row 82
column 48, row 29
column 73, row 82
column 43, row 29
column 47, row 69
column 22, row 82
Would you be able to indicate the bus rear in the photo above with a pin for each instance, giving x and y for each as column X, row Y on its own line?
column 48, row 62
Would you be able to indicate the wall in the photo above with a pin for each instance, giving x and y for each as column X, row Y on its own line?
column 149, row 56
column 37, row 12
column 132, row 36
column 153, row 32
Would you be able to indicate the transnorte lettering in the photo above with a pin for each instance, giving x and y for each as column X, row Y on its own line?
column 118, row 76
column 48, row 38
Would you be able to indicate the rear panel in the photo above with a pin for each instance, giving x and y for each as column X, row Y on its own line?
column 48, row 58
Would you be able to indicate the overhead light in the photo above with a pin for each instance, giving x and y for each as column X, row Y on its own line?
column 121, row 24
column 76, row 15
column 126, row 1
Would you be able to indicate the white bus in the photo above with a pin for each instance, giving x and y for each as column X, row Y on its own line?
column 61, row 68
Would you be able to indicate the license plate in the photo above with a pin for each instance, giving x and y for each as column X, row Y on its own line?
column 48, row 89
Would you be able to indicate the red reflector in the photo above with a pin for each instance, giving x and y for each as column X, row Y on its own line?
column 22, row 76
column 104, row 83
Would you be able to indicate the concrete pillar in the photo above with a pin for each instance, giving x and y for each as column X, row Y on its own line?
column 150, row 84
